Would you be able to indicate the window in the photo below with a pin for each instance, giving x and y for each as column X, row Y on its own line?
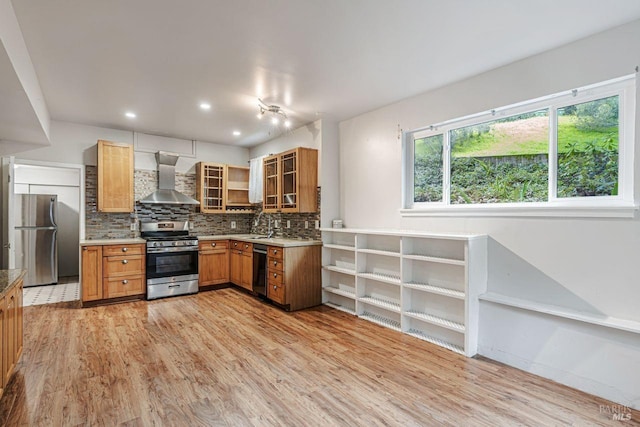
column 565, row 150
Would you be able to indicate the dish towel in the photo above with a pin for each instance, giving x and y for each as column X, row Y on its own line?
column 255, row 180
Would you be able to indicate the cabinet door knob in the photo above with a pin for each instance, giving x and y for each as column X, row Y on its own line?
column 275, row 251
column 235, row 244
column 275, row 263
column 275, row 274
column 124, row 249
column 84, row 248
column 275, row 287
column 246, row 246
column 213, row 244
column 124, row 261
column 125, row 281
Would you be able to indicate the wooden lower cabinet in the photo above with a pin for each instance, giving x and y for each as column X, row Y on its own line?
column 11, row 331
column 213, row 262
column 113, row 271
column 294, row 276
column 235, row 267
column 246, row 281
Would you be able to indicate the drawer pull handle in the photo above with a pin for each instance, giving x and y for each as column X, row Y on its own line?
column 125, row 281
column 124, row 249
column 124, row 261
column 275, row 262
column 275, row 287
column 213, row 244
column 275, row 251
column 275, row 275
column 174, row 286
column 235, row 244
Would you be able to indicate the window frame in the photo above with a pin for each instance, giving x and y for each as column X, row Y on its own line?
column 621, row 205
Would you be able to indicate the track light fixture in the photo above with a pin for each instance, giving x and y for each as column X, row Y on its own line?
column 274, row 111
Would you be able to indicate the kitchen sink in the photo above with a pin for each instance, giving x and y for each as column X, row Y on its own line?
column 259, row 237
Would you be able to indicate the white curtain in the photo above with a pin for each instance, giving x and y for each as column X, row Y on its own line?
column 255, row 180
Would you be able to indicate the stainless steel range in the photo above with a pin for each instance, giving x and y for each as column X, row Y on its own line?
column 172, row 259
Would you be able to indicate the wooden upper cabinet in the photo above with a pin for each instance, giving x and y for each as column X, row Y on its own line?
column 291, row 181
column 115, row 177
column 222, row 188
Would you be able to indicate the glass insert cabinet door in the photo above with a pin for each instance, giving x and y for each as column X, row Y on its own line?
column 271, row 184
column 212, row 188
column 288, row 198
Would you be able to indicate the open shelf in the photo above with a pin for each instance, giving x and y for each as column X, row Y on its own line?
column 421, row 335
column 435, row 259
column 340, row 307
column 567, row 313
column 435, row 290
column 386, row 278
column 380, row 252
column 340, row 270
column 423, row 283
column 382, row 303
column 454, row 326
column 340, row 247
column 381, row 320
column 339, row 291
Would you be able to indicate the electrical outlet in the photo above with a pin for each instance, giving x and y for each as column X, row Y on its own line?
column 233, row 225
column 276, row 223
column 306, row 224
column 317, row 224
column 288, row 224
column 134, row 226
column 190, row 225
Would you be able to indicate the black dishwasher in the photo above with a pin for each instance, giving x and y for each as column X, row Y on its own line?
column 260, row 269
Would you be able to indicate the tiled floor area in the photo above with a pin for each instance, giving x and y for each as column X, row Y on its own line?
column 67, row 289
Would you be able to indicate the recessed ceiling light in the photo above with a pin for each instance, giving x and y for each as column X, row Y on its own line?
column 236, row 133
column 205, row 106
column 130, row 115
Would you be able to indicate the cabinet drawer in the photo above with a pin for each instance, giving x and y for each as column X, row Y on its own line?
column 207, row 245
column 275, row 264
column 123, row 286
column 275, row 252
column 275, row 276
column 276, row 292
column 115, row 266
column 247, row 247
column 115, row 250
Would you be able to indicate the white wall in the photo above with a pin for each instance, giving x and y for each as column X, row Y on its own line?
column 75, row 143
column 589, row 264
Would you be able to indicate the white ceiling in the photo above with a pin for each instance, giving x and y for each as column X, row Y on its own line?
column 96, row 59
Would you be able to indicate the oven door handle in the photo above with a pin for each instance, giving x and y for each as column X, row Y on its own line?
column 170, row 249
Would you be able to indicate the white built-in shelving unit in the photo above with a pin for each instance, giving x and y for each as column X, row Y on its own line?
column 422, row 284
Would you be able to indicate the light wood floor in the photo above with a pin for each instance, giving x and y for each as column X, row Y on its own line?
column 225, row 358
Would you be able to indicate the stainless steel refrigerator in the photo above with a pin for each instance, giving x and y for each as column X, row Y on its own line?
column 35, row 240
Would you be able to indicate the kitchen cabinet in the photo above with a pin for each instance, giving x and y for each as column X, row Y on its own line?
column 222, row 188
column 112, row 271
column 294, row 276
column 91, row 273
column 241, row 264
column 291, row 181
column 115, row 177
column 213, row 262
column 11, row 331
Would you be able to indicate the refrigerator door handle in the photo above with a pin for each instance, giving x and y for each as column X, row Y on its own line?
column 51, row 215
column 53, row 259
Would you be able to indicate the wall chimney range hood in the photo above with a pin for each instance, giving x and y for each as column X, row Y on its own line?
column 166, row 193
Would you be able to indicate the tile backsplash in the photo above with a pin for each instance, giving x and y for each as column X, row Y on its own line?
column 113, row 225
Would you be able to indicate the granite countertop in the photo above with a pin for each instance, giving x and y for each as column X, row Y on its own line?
column 8, row 278
column 274, row 241
column 100, row 242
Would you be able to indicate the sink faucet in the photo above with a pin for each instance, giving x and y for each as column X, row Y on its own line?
column 269, row 230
